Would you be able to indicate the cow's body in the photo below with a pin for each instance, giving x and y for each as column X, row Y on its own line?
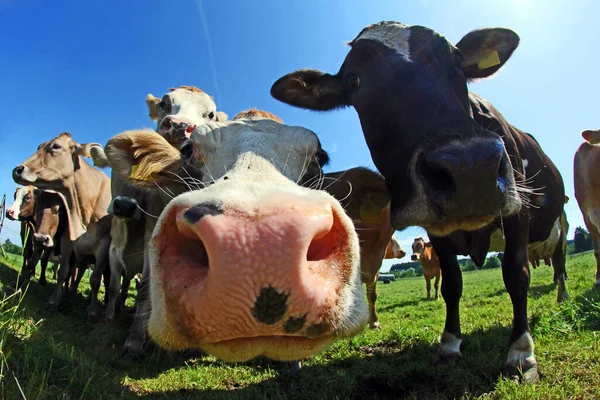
column 425, row 254
column 451, row 162
column 364, row 197
column 587, row 188
column 23, row 209
column 57, row 165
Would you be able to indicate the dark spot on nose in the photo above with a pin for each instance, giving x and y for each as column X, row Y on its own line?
column 270, row 306
column 195, row 213
column 316, row 330
column 293, row 325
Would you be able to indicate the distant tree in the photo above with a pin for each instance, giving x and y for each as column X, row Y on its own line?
column 570, row 248
column 468, row 265
column 12, row 248
column 492, row 262
column 582, row 240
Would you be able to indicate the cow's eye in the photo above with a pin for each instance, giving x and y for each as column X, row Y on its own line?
column 211, row 116
column 56, row 146
column 352, row 81
column 27, row 198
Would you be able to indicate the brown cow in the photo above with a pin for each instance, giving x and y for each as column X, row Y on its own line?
column 58, row 165
column 587, row 188
column 425, row 254
column 23, row 209
column 364, row 197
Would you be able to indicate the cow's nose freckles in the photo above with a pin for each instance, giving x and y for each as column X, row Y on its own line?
column 270, row 305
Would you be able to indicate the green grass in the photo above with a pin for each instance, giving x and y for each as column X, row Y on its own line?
column 49, row 356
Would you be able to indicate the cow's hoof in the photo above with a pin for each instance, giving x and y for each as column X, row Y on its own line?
column 529, row 376
column 133, row 349
column 51, row 306
column 295, row 366
column 375, row 325
column 451, row 359
column 93, row 315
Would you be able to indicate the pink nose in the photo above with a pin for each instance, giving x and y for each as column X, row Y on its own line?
column 276, row 272
column 10, row 214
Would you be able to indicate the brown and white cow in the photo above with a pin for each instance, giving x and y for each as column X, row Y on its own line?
column 23, row 209
column 587, row 188
column 58, row 165
column 425, row 254
column 451, row 162
column 176, row 116
column 253, row 264
column 394, row 249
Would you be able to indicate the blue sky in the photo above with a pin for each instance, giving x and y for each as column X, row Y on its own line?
column 86, row 67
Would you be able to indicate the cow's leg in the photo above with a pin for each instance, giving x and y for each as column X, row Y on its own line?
column 80, row 271
column 595, row 235
column 66, row 260
column 372, row 298
column 451, row 340
column 116, row 270
column 54, row 270
column 558, row 263
column 428, row 286
column 125, row 285
column 134, row 345
column 31, row 256
column 436, row 284
column 101, row 253
column 44, row 265
column 515, row 272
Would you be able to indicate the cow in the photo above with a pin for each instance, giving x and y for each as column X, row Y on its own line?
column 363, row 195
column 394, row 249
column 425, row 254
column 254, row 263
column 22, row 209
column 176, row 115
column 587, row 192
column 58, row 165
column 452, row 163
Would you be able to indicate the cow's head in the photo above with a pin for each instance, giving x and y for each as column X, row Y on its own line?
column 394, row 249
column 50, row 208
column 408, row 84
column 180, row 111
column 418, row 247
column 253, row 263
column 254, row 114
column 23, row 206
column 54, row 163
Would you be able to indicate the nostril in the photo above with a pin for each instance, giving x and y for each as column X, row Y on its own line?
column 435, row 172
column 325, row 242
column 503, row 173
column 167, row 123
column 19, row 169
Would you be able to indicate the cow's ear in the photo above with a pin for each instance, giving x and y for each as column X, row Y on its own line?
column 484, row 51
column 220, row 116
column 152, row 103
column 85, row 150
column 143, row 158
column 311, row 89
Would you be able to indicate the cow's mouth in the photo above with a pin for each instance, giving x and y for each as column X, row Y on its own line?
column 280, row 348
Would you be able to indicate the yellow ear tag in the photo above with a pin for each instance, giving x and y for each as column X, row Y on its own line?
column 490, row 61
column 134, row 174
column 370, row 213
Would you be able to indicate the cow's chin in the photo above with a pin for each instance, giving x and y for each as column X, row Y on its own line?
column 280, row 348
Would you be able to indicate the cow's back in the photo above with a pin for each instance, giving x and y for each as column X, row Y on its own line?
column 541, row 175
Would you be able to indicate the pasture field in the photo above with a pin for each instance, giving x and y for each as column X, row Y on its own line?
column 46, row 356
